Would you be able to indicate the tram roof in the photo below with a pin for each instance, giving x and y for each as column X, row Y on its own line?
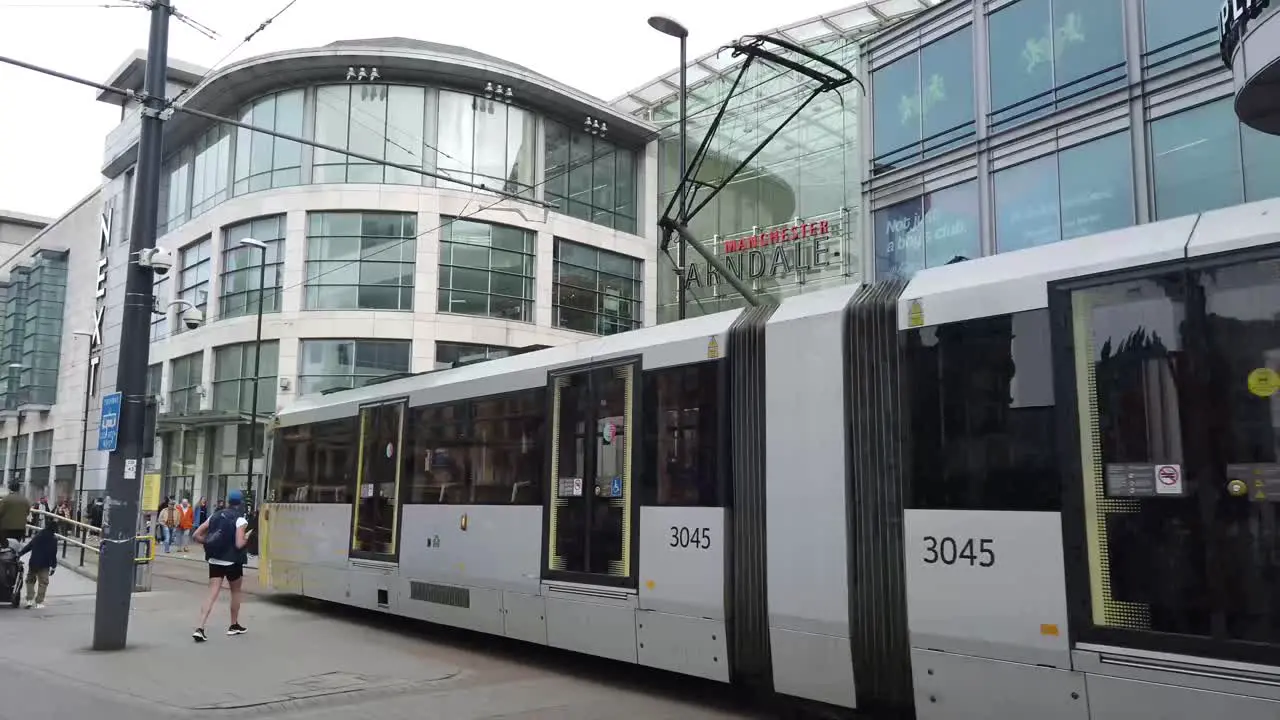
column 667, row 345
column 1018, row 281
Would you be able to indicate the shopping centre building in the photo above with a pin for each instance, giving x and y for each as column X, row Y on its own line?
column 985, row 127
column 515, row 218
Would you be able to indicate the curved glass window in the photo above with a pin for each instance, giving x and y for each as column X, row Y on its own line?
column 596, row 291
column 209, row 169
column 241, row 267
column 1049, row 54
column 185, row 377
column 195, row 270
column 1080, row 191
column 486, row 142
column 331, row 364
column 930, row 230
column 450, row 354
column 388, row 122
column 360, row 261
column 265, row 161
column 233, row 377
column 175, row 192
column 486, row 270
column 590, row 178
column 924, row 102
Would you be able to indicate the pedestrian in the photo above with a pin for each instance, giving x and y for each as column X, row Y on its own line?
column 43, row 547
column 168, row 522
column 224, row 536
column 202, row 512
column 186, row 521
column 14, row 509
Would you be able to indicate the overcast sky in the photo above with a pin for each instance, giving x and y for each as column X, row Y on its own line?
column 52, row 131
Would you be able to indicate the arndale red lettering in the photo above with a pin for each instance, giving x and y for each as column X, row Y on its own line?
column 774, row 236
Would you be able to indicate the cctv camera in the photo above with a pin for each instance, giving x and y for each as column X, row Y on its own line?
column 192, row 318
column 159, row 260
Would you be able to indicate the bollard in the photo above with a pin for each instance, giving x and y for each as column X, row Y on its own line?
column 144, row 553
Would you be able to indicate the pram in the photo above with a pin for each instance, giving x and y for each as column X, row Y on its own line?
column 11, row 573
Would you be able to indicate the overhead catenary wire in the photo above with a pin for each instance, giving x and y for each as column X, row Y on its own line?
column 247, row 38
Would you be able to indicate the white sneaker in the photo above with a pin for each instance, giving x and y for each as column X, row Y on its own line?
column 30, row 604
column 39, row 606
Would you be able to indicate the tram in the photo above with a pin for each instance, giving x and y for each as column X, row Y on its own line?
column 1038, row 484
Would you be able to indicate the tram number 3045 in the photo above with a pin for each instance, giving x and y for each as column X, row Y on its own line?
column 952, row 551
column 686, row 537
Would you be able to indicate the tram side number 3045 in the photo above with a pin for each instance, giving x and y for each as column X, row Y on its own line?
column 686, row 537
column 951, row 551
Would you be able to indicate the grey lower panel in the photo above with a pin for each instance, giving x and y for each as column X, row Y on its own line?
column 961, row 687
column 1113, row 698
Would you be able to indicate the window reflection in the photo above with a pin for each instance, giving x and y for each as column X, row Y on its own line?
column 264, row 161
column 360, row 261
column 1083, row 190
column 927, row 231
column 316, row 463
column 238, row 289
column 1048, row 54
column 1195, row 157
column 450, row 355
column 487, row 270
column 596, row 291
column 682, row 436
column 1179, row 32
column 924, row 101
column 386, row 122
column 590, row 178
column 333, row 364
column 982, row 409
column 481, row 452
column 486, row 142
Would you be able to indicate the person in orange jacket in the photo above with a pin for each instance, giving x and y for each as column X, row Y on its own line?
column 186, row 520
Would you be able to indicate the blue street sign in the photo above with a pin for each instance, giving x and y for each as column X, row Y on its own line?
column 109, row 425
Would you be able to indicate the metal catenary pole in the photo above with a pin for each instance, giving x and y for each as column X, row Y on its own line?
column 120, row 511
column 682, row 254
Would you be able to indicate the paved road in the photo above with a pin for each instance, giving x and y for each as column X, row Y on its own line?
column 310, row 661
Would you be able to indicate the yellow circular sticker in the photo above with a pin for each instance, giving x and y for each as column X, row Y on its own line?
column 1237, row 488
column 1264, row 382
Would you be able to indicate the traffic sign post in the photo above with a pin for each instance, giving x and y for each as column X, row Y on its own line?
column 109, row 425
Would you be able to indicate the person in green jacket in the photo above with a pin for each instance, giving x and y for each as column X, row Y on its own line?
column 14, row 509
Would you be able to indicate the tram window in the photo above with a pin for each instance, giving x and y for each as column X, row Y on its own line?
column 479, row 452
column 681, row 436
column 317, row 463
column 982, row 414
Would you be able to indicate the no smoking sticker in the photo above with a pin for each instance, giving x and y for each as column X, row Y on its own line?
column 1168, row 479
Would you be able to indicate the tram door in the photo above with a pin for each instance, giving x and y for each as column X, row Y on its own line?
column 589, row 508
column 1179, row 418
column 375, row 524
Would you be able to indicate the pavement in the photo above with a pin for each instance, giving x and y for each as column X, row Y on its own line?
column 308, row 660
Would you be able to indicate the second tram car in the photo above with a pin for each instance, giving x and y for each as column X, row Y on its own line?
column 1038, row 484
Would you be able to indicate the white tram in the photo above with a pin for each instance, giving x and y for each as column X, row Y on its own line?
column 1034, row 485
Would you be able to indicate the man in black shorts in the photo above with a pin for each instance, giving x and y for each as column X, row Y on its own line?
column 224, row 536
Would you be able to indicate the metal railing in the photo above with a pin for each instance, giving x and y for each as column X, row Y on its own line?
column 84, row 531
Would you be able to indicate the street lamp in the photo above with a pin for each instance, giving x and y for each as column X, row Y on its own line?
column 257, row 363
column 669, row 26
column 84, row 419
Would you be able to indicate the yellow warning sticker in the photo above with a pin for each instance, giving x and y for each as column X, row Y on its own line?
column 1237, row 488
column 713, row 349
column 915, row 314
column 1264, row 382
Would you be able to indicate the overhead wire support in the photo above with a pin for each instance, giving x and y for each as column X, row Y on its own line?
column 830, row 77
column 182, row 108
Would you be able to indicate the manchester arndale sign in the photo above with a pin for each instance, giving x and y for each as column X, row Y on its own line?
column 1233, row 23
column 774, row 252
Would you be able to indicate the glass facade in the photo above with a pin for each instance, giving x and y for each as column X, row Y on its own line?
column 457, row 135
column 31, row 330
column 596, row 291
column 1068, row 148
column 160, row 289
column 233, row 377
column 1049, row 54
column 185, row 376
column 238, row 290
column 805, row 179
column 360, row 261
column 924, row 102
column 195, row 267
column 590, row 178
column 333, row 364
column 486, row 270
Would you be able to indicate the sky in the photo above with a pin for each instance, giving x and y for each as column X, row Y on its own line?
column 52, row 131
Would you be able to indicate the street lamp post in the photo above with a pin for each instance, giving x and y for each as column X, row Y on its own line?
column 84, row 420
column 669, row 26
column 14, row 369
column 251, row 499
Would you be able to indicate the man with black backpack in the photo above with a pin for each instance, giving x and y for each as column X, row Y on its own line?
column 224, row 536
